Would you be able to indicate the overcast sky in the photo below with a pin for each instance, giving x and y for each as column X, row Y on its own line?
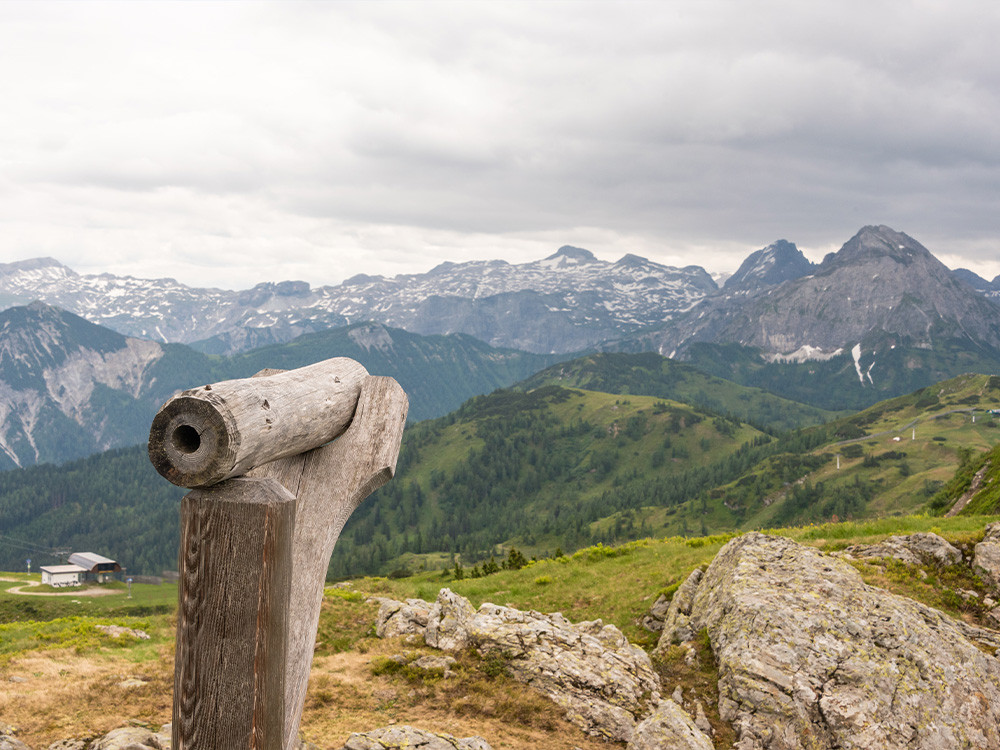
column 230, row 143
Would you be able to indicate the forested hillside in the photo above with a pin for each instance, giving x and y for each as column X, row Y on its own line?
column 649, row 374
column 555, row 469
column 538, row 469
column 114, row 504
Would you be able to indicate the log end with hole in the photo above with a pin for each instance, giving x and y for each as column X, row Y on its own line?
column 191, row 444
column 205, row 435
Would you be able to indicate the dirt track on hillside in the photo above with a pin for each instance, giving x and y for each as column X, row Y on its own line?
column 78, row 592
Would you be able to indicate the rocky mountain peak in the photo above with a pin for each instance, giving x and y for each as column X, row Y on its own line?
column 877, row 243
column 973, row 279
column 632, row 261
column 567, row 255
column 38, row 336
column 36, row 264
column 778, row 262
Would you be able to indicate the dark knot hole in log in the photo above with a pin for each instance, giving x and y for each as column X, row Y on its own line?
column 186, row 439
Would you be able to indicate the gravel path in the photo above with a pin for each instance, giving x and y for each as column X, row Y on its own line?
column 76, row 592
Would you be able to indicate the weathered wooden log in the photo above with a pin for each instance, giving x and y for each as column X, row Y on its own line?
column 329, row 483
column 232, row 619
column 205, row 435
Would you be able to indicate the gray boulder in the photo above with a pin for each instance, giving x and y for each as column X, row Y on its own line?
column 669, row 727
column 987, row 556
column 449, row 622
column 653, row 620
column 811, row 656
column 10, row 742
column 913, row 549
column 590, row 669
column 410, row 738
column 69, row 745
column 677, row 621
column 132, row 738
column 401, row 618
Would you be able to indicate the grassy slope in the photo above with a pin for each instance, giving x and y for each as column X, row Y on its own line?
column 878, row 475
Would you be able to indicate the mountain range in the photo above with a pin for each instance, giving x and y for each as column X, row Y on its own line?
column 566, row 302
column 879, row 318
column 779, row 301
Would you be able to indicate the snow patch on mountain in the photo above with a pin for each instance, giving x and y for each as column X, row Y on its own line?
column 856, row 353
column 806, row 353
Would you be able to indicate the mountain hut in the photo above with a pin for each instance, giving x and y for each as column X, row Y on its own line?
column 97, row 567
column 63, row 575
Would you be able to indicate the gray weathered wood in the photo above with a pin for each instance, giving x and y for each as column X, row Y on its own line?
column 205, row 435
column 329, row 483
column 232, row 619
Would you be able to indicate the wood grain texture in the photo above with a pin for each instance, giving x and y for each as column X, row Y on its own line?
column 232, row 620
column 206, row 435
column 329, row 483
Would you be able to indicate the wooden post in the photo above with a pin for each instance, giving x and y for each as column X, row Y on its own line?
column 255, row 550
column 236, row 543
column 330, row 482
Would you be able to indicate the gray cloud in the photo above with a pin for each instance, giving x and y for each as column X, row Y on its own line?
column 231, row 143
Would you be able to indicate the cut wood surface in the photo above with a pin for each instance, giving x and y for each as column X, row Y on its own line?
column 232, row 619
column 205, row 435
column 329, row 483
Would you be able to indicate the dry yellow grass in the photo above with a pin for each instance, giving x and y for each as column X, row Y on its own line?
column 68, row 695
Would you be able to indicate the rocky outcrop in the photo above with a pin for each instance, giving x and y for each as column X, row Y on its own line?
column 810, row 656
column 590, row 669
column 10, row 742
column 410, row 738
column 987, row 557
column 401, row 618
column 677, row 619
column 912, row 549
column 669, row 726
column 653, row 620
column 450, row 622
column 132, row 738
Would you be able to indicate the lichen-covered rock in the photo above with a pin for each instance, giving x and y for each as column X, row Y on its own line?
column 811, row 657
column 433, row 663
column 590, row 669
column 10, row 742
column 676, row 623
column 132, row 738
column 987, row 556
column 410, row 738
column 117, row 631
column 68, row 745
column 653, row 620
column 913, row 549
column 401, row 618
column 449, row 621
column 668, row 727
